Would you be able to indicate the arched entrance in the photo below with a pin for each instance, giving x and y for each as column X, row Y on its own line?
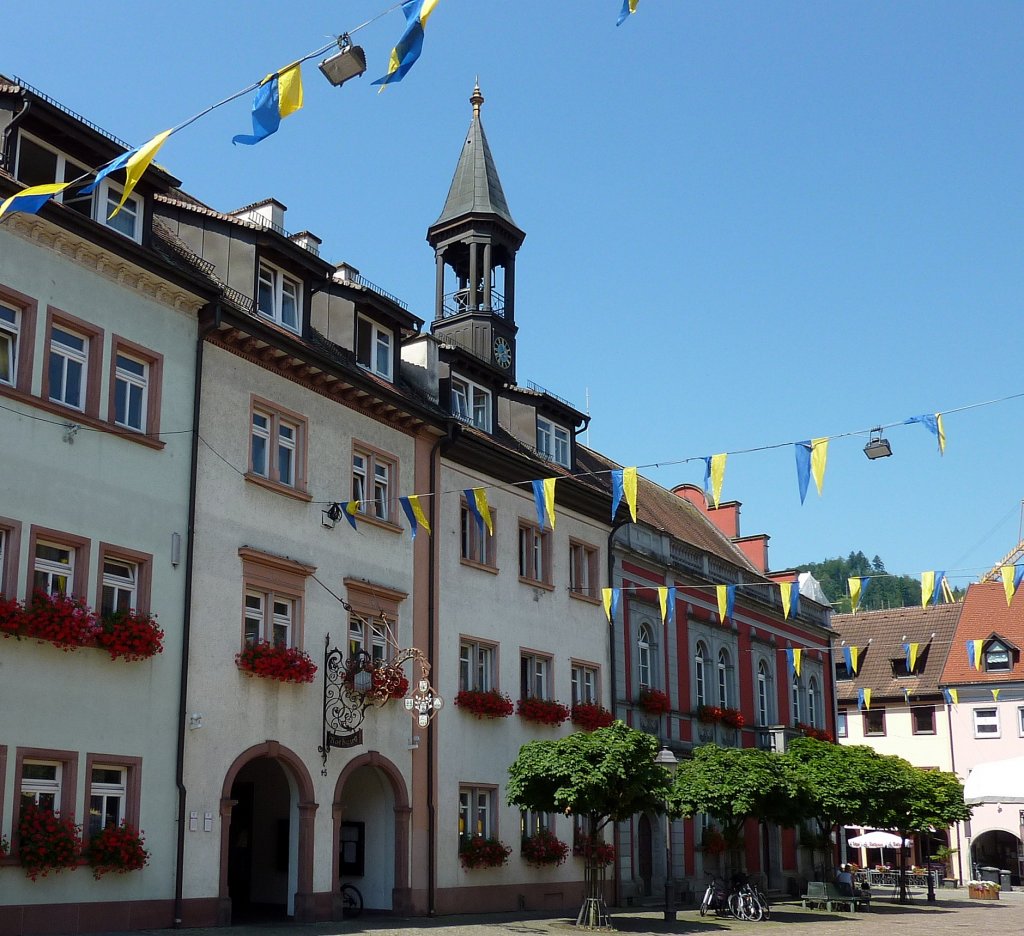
column 267, row 811
column 371, row 833
column 997, row 849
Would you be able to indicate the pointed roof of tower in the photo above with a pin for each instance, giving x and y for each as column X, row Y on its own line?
column 476, row 188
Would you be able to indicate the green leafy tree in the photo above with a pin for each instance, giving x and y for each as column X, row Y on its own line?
column 606, row 775
column 737, row 784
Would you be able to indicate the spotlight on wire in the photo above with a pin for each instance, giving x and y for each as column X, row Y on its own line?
column 877, row 447
column 348, row 62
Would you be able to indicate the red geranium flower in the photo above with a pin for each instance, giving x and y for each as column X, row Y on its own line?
column 542, row 711
column 544, row 848
column 47, row 842
column 478, row 852
column 654, row 701
column 131, row 635
column 285, row 664
column 485, row 704
column 591, row 715
column 117, row 850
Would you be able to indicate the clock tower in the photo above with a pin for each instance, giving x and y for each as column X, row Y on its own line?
column 475, row 242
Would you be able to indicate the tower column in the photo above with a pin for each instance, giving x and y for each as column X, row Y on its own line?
column 510, row 288
column 487, row 277
column 474, row 276
column 439, row 288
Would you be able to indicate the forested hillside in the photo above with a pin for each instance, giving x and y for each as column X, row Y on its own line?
column 883, row 591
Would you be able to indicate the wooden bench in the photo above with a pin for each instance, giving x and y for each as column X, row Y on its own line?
column 820, row 894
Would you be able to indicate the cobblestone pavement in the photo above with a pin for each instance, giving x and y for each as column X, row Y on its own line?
column 952, row 913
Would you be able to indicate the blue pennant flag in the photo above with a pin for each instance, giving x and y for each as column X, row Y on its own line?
column 616, row 490
column 803, row 467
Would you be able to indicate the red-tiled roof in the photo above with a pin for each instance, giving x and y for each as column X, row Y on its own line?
column 887, row 631
column 986, row 613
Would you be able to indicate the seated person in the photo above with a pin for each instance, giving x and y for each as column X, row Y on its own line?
column 844, row 881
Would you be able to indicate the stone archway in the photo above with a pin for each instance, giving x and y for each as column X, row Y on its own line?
column 303, row 806
column 401, row 891
column 997, row 848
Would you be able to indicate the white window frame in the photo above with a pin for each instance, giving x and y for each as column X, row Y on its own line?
column 582, row 569
column 812, row 701
column 644, row 655
column 724, row 680
column 535, row 676
column 52, row 569
column 477, row 666
column 109, row 197
column 794, row 694
column 10, row 332
column 367, row 636
column 700, row 683
column 131, row 381
column 276, row 280
column 119, row 584
column 471, row 403
column 269, row 617
column 106, row 792
column 71, row 356
column 842, row 724
column 763, row 693
column 994, row 647
column 530, row 823
column 1020, row 721
column 982, row 720
column 534, row 561
column 476, row 547
column 476, row 813
column 381, row 350
column 276, row 443
column 553, row 442
column 584, row 685
column 62, row 163
column 37, row 787
column 372, row 468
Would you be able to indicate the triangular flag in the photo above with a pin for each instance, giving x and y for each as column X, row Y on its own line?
column 476, row 502
column 848, row 657
column 723, row 601
column 867, row 699
column 672, row 604
column 137, row 164
column 854, row 659
column 906, row 694
column 933, row 423
column 947, row 593
column 663, row 602
column 803, row 467
column 797, row 656
column 995, row 695
column 927, row 587
column 30, row 200
column 785, row 588
column 350, row 509
column 1008, row 586
column 717, row 475
column 410, row 44
column 819, row 455
column 937, row 590
column 629, row 489
column 610, row 600
column 910, row 649
column 951, row 695
column 857, row 586
column 974, row 653
column 414, row 513
column 278, row 95
column 616, row 490
column 628, row 7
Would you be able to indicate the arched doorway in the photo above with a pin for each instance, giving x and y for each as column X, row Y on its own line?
column 267, row 811
column 371, row 833
column 997, row 849
column 645, row 854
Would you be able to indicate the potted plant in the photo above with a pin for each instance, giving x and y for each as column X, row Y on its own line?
column 709, row 714
column 480, row 852
column 654, row 701
column 269, row 661
column 597, row 850
column 116, row 850
column 590, row 716
column 47, row 842
column 944, row 855
column 733, row 718
column 542, row 711
column 130, row 635
column 485, row 703
column 62, row 620
column 983, row 890
column 543, row 849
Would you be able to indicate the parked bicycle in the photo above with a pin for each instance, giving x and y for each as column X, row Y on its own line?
column 351, row 901
column 743, row 900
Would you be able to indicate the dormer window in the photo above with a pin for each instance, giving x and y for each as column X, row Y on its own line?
column 39, row 164
column 279, row 297
column 997, row 658
column 553, row 442
column 471, row 403
column 373, row 347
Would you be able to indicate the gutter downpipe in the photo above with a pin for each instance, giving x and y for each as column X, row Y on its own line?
column 445, row 440
column 179, row 776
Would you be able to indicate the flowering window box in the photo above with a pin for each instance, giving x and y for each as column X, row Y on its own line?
column 485, row 704
column 47, row 842
column 478, row 852
column 598, row 853
column 591, row 715
column 811, row 732
column 130, row 635
column 285, row 664
column 654, row 701
column 542, row 711
column 117, row 850
column 64, row 621
column 544, row 849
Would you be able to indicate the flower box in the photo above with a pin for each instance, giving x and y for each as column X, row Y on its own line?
column 64, row 621
column 47, row 842
column 711, row 714
column 130, row 635
column 543, row 849
column 542, row 711
column 811, row 732
column 485, row 704
column 654, row 701
column 116, row 850
column 285, row 664
column 478, row 852
column 982, row 890
column 590, row 716
column 598, row 853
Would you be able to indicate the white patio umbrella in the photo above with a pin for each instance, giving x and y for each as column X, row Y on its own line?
column 877, row 840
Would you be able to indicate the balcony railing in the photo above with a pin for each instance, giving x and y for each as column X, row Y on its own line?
column 455, row 303
column 776, row 737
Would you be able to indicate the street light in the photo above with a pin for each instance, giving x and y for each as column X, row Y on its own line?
column 668, row 760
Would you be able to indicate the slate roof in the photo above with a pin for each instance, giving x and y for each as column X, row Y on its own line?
column 986, row 613
column 476, row 188
column 886, row 630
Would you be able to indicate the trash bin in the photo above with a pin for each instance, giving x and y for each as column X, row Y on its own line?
column 1004, row 881
column 989, row 874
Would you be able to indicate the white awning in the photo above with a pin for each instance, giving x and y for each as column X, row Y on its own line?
column 996, row 782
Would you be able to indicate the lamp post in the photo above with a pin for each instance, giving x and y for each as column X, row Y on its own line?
column 669, row 761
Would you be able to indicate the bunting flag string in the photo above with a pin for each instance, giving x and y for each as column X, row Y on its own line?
column 952, row 698
column 544, row 499
column 864, row 699
column 850, row 655
column 624, row 485
column 714, row 475
column 974, row 653
column 410, row 44
column 667, row 601
column 476, row 501
column 910, row 649
column 726, row 601
column 278, row 96
column 1012, row 575
column 32, row 199
column 414, row 514
column 610, row 599
column 932, row 587
column 628, row 9
column 811, row 457
column 995, row 695
column 933, row 423
column 858, row 585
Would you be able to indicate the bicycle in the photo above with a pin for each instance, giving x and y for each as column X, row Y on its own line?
column 351, row 901
column 714, row 898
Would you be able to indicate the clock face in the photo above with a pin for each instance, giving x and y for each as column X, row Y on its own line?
column 502, row 353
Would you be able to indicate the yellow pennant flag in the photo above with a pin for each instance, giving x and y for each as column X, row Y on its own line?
column 717, row 475
column 854, row 651
column 941, row 433
column 927, row 587
column 913, row 655
column 138, row 164
column 954, row 695
column 606, row 600
column 977, row 653
column 629, row 490
column 289, row 90
column 663, row 601
column 1007, row 573
column 867, row 699
column 352, row 507
column 797, row 655
column 549, row 500
column 723, row 601
column 787, row 593
column 855, row 584
column 947, row 592
column 417, row 512
column 995, row 695
column 480, row 498
column 32, row 199
column 819, row 455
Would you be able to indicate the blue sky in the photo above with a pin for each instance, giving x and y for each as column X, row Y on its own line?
column 747, row 224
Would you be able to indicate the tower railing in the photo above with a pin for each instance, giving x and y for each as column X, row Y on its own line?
column 457, row 302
